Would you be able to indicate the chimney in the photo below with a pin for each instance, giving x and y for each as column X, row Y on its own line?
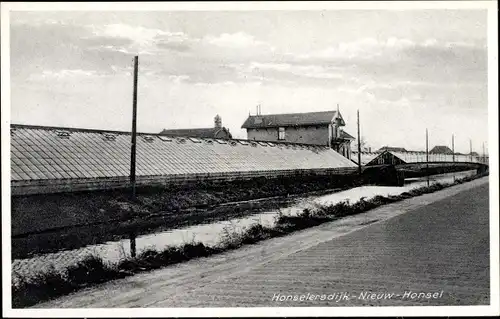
column 218, row 121
column 337, row 123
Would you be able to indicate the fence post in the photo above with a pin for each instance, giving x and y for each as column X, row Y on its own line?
column 132, row 244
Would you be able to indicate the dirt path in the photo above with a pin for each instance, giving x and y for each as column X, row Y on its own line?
column 346, row 254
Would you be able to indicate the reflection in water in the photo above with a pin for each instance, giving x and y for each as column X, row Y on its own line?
column 210, row 234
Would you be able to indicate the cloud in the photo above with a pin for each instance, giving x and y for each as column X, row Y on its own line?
column 63, row 75
column 53, row 48
column 179, row 78
column 225, row 84
column 137, row 34
column 361, row 48
column 173, row 46
column 241, row 57
column 105, row 41
column 390, row 49
column 138, row 39
column 234, row 40
column 288, row 73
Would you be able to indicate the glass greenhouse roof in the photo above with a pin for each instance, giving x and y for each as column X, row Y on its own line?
column 44, row 153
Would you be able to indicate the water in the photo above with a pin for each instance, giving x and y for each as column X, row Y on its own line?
column 210, row 234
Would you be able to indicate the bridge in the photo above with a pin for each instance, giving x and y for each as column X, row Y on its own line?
column 391, row 168
column 429, row 168
column 418, row 161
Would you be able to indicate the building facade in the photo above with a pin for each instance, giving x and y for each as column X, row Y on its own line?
column 313, row 128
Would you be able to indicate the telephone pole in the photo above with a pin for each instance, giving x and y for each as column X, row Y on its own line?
column 453, row 151
column 453, row 146
column 470, row 149
column 134, row 129
column 427, row 154
column 132, row 234
column 484, row 155
column 359, row 148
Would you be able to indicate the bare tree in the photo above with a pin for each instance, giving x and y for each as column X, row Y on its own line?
column 364, row 145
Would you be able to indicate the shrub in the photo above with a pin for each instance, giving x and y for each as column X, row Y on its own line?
column 90, row 270
column 41, row 287
column 194, row 250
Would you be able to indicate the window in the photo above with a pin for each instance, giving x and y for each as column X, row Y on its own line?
column 281, row 133
column 165, row 139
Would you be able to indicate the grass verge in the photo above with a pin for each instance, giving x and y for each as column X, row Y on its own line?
column 93, row 270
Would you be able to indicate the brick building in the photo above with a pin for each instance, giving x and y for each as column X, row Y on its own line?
column 315, row 128
column 217, row 131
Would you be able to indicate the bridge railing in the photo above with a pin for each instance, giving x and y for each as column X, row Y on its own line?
column 421, row 157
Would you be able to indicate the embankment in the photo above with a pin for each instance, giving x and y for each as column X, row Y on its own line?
column 51, row 222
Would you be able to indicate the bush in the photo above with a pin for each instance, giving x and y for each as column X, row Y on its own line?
column 43, row 286
column 90, row 270
column 255, row 233
column 195, row 250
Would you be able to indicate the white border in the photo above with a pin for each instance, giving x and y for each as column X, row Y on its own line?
column 249, row 5
column 493, row 309
column 5, row 131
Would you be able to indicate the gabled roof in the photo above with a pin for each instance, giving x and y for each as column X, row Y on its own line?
column 199, row 132
column 291, row 119
column 441, row 149
column 393, row 149
column 366, row 157
column 345, row 135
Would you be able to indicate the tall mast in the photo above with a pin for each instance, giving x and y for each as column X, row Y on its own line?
column 359, row 148
column 134, row 129
column 427, row 153
column 453, row 146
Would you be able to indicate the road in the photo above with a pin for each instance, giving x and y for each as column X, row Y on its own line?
column 436, row 244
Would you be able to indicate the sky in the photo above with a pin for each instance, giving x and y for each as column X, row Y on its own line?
column 404, row 71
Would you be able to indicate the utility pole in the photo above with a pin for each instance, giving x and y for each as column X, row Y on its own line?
column 133, row 151
column 359, row 148
column 453, row 151
column 470, row 148
column 134, row 129
column 427, row 154
column 453, row 146
column 484, row 155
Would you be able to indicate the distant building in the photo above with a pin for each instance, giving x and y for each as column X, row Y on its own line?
column 366, row 156
column 395, row 158
column 393, row 149
column 440, row 149
column 315, row 128
column 218, row 131
column 387, row 158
